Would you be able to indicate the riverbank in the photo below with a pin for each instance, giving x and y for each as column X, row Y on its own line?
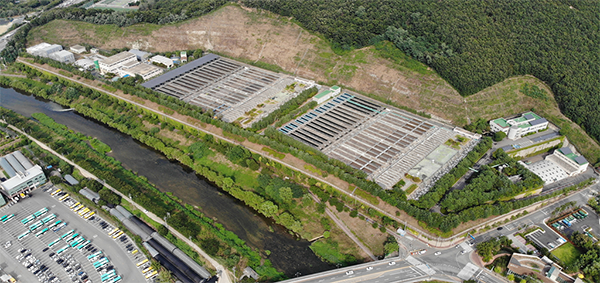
column 224, row 277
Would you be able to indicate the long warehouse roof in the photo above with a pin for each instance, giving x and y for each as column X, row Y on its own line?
column 180, row 71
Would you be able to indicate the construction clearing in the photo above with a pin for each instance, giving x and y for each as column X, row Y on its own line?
column 229, row 89
column 384, row 142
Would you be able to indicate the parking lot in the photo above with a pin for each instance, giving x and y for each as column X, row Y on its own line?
column 580, row 224
column 546, row 238
column 59, row 245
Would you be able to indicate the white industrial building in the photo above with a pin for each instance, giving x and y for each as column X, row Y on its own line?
column 85, row 64
column 326, row 95
column 141, row 55
column 113, row 63
column 63, row 56
column 44, row 49
column 518, row 127
column 77, row 49
column 162, row 60
column 147, row 71
column 23, row 175
column 561, row 164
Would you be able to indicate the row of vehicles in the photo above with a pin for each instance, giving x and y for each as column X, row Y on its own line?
column 569, row 220
column 100, row 262
column 40, row 270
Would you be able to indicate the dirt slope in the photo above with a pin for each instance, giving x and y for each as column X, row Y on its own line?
column 254, row 35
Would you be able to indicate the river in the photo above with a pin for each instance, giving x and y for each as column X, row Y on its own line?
column 288, row 254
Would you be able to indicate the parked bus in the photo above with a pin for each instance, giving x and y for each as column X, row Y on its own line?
column 8, row 218
column 147, row 269
column 94, row 255
column 35, row 226
column 89, row 215
column 84, row 211
column 113, row 231
column 151, row 274
column 141, row 262
column 117, row 235
column 70, row 238
column 54, row 224
column 55, row 192
column 74, row 205
column 41, row 232
column 117, row 279
column 23, row 235
column 82, row 244
column 62, row 249
column 63, row 197
column 67, row 234
column 77, row 208
column 40, row 212
column 3, row 217
column 27, row 219
column 54, row 242
column 49, row 218
column 60, row 226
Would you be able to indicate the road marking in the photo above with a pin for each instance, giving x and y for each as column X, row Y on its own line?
column 467, row 272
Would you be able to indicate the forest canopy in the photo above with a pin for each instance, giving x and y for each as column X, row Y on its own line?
column 475, row 44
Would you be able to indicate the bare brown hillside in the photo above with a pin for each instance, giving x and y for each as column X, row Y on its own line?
column 253, row 35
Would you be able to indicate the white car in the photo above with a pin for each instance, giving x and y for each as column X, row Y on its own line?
column 349, row 272
column 392, row 263
column 369, row 268
column 438, row 253
column 463, row 252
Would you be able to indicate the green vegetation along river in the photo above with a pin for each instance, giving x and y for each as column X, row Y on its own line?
column 288, row 254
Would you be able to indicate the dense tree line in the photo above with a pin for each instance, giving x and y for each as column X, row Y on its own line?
column 475, row 44
column 437, row 192
column 115, row 113
column 107, row 168
column 589, row 262
column 491, row 184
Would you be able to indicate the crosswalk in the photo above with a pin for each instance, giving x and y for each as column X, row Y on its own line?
column 421, row 266
column 467, row 272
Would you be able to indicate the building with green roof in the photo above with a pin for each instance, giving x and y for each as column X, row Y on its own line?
column 327, row 94
column 518, row 127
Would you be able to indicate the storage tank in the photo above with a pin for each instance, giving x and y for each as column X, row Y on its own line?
column 512, row 132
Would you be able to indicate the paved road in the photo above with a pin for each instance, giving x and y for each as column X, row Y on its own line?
column 224, row 276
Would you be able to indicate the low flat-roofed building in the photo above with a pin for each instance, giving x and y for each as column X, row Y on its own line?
column 85, row 63
column 141, row 55
column 147, row 71
column 162, row 60
column 326, row 95
column 77, row 49
column 44, row 49
column 561, row 164
column 113, row 63
column 518, row 127
column 569, row 161
column 63, row 56
column 23, row 175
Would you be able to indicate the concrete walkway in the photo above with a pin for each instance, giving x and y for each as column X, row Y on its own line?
column 224, row 276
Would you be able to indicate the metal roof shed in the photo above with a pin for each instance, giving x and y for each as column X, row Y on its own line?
column 70, row 180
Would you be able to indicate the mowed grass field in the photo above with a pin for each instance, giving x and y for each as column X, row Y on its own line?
column 567, row 253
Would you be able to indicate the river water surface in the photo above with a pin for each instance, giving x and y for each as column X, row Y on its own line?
column 288, row 254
